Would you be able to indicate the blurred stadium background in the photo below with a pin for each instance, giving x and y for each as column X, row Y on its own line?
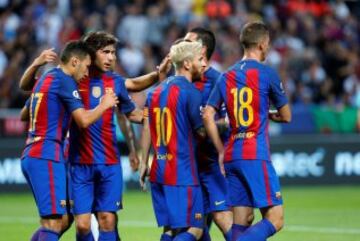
column 315, row 50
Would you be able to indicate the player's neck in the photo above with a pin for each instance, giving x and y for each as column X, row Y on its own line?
column 184, row 73
column 254, row 54
column 66, row 69
column 95, row 71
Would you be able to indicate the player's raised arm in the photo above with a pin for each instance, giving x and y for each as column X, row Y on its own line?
column 145, row 149
column 142, row 82
column 28, row 79
column 84, row 118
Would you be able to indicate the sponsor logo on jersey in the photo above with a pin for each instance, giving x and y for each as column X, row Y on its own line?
column 244, row 135
column 278, row 195
column 166, row 156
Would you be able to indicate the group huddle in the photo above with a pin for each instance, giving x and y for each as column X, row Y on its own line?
column 194, row 177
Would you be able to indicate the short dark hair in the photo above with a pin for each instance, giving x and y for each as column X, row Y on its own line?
column 98, row 40
column 74, row 48
column 207, row 38
column 252, row 34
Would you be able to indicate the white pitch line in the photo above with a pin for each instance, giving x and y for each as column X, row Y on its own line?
column 149, row 224
column 334, row 230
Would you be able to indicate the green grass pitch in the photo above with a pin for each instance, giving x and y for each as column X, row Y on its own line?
column 311, row 214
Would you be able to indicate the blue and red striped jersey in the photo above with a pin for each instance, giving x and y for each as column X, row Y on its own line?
column 97, row 144
column 174, row 115
column 247, row 89
column 206, row 152
column 53, row 98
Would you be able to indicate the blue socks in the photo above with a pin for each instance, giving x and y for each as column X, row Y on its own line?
column 166, row 237
column 107, row 236
column 258, row 232
column 86, row 237
column 185, row 236
column 237, row 229
column 48, row 235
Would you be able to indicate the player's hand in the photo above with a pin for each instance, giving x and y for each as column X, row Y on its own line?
column 134, row 161
column 143, row 171
column 221, row 163
column 109, row 100
column 164, row 68
column 46, row 56
column 274, row 115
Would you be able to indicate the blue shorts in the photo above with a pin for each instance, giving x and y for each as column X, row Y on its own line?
column 177, row 206
column 47, row 180
column 96, row 188
column 253, row 183
column 214, row 188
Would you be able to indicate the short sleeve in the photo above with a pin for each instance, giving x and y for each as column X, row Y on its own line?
column 193, row 107
column 222, row 111
column 146, row 107
column 69, row 94
column 216, row 99
column 126, row 105
column 27, row 103
column 277, row 92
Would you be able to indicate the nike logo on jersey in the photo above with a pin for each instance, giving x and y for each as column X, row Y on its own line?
column 217, row 203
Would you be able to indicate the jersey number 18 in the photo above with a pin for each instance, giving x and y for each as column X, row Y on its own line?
column 242, row 104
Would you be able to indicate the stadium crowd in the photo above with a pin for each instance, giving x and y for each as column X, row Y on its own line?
column 315, row 43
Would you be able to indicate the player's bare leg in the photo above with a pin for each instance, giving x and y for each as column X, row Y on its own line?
column 50, row 226
column 83, row 227
column 67, row 220
column 191, row 234
column 275, row 215
column 272, row 222
column 243, row 217
column 107, row 225
column 224, row 220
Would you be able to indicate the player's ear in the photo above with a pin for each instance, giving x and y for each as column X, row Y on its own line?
column 187, row 64
column 74, row 61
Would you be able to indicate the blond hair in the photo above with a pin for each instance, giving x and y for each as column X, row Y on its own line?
column 184, row 51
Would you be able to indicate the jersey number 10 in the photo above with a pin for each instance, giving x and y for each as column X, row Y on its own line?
column 163, row 121
column 242, row 104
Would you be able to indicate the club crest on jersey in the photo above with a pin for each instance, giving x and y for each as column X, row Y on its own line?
column 278, row 195
column 63, row 203
column 198, row 216
column 96, row 91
